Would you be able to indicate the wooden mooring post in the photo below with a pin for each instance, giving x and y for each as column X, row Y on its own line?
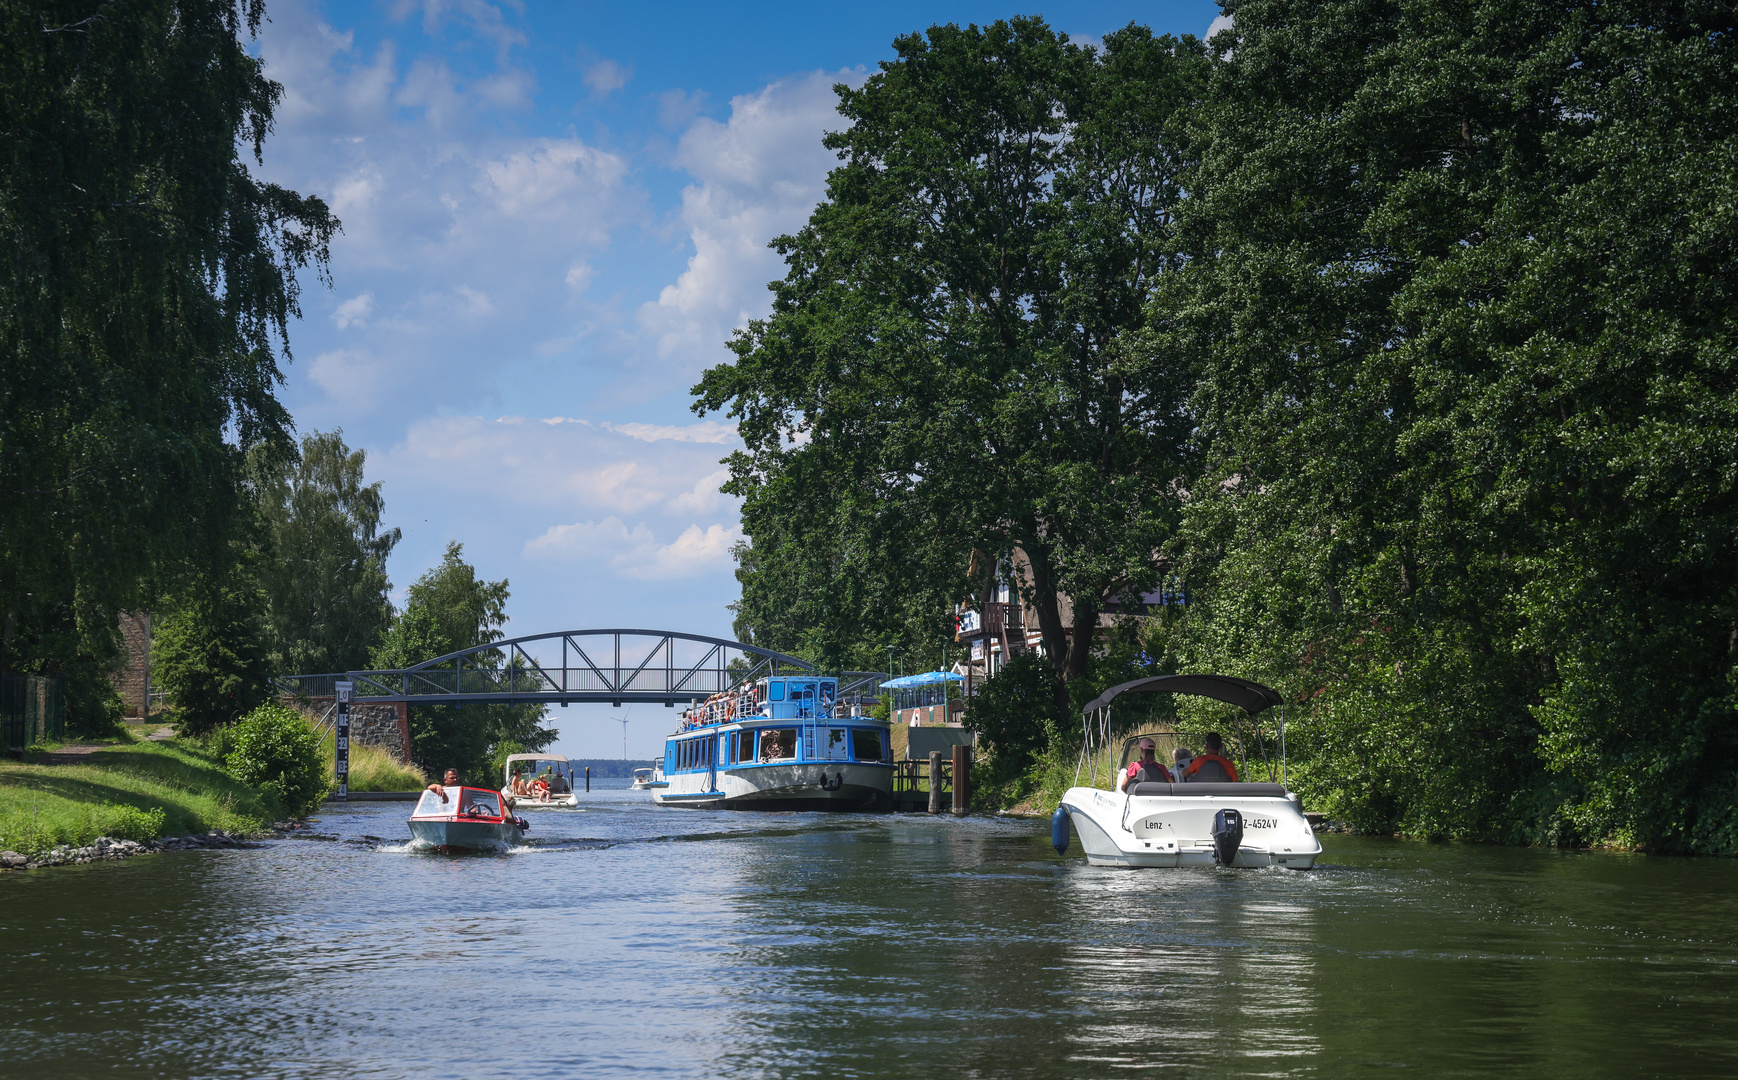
column 962, row 770
column 588, row 778
column 935, row 781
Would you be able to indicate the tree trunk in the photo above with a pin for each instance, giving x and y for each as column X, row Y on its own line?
column 1042, row 593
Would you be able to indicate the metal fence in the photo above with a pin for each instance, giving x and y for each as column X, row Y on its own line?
column 32, row 710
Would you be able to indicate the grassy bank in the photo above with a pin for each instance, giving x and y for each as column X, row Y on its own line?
column 137, row 791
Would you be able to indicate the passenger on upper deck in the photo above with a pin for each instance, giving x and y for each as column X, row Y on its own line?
column 1211, row 765
column 1146, row 770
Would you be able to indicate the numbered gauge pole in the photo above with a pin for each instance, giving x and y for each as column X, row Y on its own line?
column 341, row 754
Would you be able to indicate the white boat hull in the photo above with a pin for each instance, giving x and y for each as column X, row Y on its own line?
column 1177, row 830
column 556, row 802
column 811, row 785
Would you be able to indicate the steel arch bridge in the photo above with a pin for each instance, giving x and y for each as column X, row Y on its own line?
column 664, row 667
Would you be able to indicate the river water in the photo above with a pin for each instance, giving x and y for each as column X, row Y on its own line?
column 629, row 940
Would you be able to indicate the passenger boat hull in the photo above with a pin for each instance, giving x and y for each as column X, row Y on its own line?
column 469, row 835
column 807, row 785
column 1177, row 829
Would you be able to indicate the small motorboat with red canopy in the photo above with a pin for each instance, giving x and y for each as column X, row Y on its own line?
column 466, row 817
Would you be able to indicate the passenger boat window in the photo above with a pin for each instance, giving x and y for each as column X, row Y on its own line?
column 775, row 691
column 866, row 745
column 724, row 749
column 778, row 744
column 837, row 747
column 745, row 746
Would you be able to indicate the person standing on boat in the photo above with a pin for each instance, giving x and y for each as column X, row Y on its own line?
column 1211, row 765
column 1148, row 769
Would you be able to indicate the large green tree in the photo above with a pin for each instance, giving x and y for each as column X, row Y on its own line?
column 942, row 370
column 147, row 280
column 1460, row 285
column 325, row 577
column 446, row 610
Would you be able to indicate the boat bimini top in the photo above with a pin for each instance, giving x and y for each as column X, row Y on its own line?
column 1252, row 697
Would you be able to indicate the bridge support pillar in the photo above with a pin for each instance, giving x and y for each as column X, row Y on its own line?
column 404, row 728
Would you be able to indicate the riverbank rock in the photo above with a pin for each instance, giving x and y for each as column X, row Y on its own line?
column 100, row 849
column 11, row 860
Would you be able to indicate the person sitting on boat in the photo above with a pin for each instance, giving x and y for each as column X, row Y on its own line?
column 558, row 785
column 519, row 785
column 1180, row 758
column 1211, row 765
column 451, row 779
column 540, row 789
column 1149, row 769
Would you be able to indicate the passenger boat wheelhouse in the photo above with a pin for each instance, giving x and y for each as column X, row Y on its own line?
column 780, row 742
column 465, row 817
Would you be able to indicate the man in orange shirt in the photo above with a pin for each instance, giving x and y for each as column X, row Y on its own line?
column 1211, row 765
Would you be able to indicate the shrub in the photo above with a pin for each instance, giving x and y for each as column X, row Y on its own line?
column 273, row 749
column 131, row 823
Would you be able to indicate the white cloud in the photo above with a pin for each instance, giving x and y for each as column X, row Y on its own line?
column 758, row 175
column 1220, row 22
column 607, row 76
column 678, row 107
column 558, row 463
column 706, row 431
column 635, row 552
column 353, row 311
column 703, row 498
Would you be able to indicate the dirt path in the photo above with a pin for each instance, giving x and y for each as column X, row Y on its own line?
column 72, row 755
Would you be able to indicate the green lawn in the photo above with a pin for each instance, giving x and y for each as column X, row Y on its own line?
column 136, row 791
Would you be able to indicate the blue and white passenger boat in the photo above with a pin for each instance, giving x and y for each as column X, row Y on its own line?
column 778, row 743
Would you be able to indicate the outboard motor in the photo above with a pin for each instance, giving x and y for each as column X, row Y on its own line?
column 1059, row 831
column 1227, row 836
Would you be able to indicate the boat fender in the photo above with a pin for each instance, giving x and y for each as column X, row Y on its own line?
column 525, row 826
column 1227, row 835
column 1059, row 830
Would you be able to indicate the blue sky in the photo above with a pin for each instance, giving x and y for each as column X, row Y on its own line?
column 554, row 215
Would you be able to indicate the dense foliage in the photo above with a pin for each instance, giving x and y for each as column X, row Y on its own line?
column 324, row 579
column 1461, row 295
column 1448, row 291
column 208, row 653
column 146, row 285
column 448, row 609
column 274, row 749
column 942, row 372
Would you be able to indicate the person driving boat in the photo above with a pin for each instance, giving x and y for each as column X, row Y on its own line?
column 1148, row 769
column 1211, row 765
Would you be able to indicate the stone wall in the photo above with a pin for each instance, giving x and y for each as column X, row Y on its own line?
column 377, row 725
column 133, row 675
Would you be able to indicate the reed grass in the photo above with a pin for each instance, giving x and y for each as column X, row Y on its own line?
column 371, row 768
column 131, row 791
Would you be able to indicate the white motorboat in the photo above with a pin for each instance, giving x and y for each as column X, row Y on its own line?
column 1160, row 824
column 539, row 782
column 647, row 779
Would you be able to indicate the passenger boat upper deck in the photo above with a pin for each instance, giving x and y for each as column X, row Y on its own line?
column 779, row 742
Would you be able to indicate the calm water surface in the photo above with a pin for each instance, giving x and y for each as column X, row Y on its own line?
column 627, row 940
